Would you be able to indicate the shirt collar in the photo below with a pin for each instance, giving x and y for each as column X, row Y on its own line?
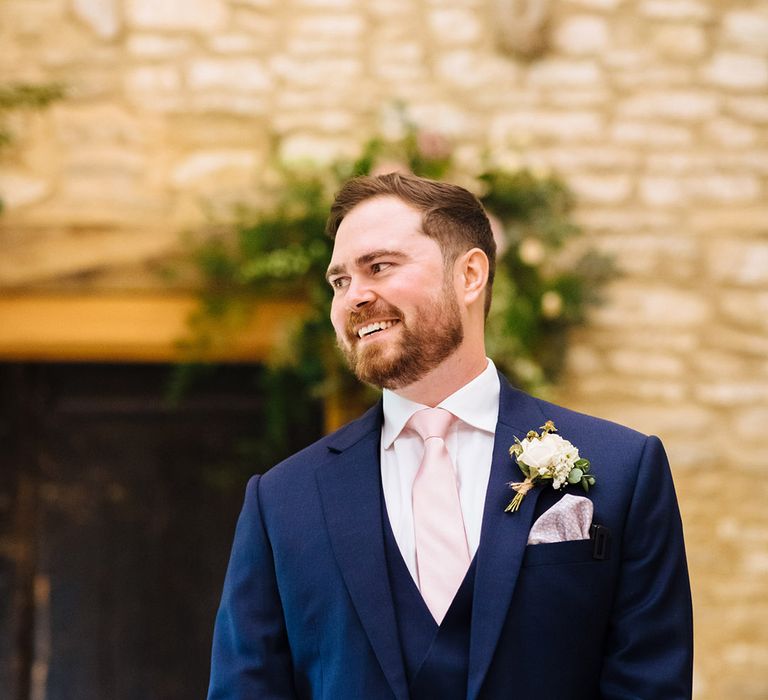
column 476, row 403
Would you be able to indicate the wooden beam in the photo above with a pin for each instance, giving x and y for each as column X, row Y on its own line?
column 126, row 328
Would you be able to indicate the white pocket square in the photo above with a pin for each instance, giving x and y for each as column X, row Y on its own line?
column 569, row 519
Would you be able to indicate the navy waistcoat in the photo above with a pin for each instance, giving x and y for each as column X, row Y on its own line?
column 436, row 658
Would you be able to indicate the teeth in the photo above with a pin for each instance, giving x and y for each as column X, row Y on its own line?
column 372, row 327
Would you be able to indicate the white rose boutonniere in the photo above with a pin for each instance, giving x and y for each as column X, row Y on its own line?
column 547, row 456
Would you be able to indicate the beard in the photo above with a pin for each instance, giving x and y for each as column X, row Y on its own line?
column 429, row 337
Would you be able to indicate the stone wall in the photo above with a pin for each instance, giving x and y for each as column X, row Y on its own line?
column 654, row 111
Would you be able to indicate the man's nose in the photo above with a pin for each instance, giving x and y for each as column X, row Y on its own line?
column 359, row 294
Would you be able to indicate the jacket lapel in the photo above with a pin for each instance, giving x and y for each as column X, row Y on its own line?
column 504, row 535
column 350, row 491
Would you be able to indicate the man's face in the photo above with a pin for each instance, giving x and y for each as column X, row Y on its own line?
column 394, row 307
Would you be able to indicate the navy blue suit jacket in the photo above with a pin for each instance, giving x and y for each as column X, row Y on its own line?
column 307, row 612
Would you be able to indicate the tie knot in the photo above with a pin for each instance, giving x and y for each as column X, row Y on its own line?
column 431, row 422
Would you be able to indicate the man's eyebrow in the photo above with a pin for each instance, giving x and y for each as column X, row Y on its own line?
column 365, row 260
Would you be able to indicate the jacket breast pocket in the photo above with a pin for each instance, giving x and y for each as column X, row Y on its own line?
column 559, row 553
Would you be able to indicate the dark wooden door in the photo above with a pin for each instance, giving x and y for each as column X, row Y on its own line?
column 117, row 511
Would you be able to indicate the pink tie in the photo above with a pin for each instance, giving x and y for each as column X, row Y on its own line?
column 442, row 555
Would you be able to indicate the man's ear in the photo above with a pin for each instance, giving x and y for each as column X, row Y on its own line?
column 472, row 275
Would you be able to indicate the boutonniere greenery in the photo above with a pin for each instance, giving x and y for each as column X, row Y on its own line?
column 547, row 456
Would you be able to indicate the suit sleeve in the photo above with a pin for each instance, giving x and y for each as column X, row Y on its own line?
column 650, row 646
column 251, row 657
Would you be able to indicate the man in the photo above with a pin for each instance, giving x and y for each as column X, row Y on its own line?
column 361, row 571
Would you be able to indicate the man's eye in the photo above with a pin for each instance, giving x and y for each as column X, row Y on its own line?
column 379, row 267
column 339, row 282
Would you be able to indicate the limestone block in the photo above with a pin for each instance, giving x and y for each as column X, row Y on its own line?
column 731, row 133
column 261, row 26
column 641, row 362
column 629, row 218
column 753, row 159
column 634, row 303
column 567, row 158
column 653, row 338
column 327, row 120
column 664, row 254
column 662, row 191
column 746, row 308
column 754, row 344
column 601, row 189
column 330, row 72
column 454, row 25
column 680, row 162
column 214, row 102
column 308, row 148
column 729, row 393
column 100, row 15
column 404, row 61
column 574, row 125
column 658, row 75
column 157, row 45
column 680, row 41
column 747, row 29
column 18, row 189
column 708, row 362
column 467, row 68
column 749, row 422
column 556, row 72
column 750, row 109
column 679, row 105
column 682, row 420
column 31, row 19
column 717, row 187
column 650, row 133
column 176, row 15
column 594, row 96
column 676, row 9
column 235, row 43
column 737, row 71
column 596, row 4
column 609, row 387
column 146, row 80
column 386, row 9
column 584, row 359
column 740, row 262
column 339, row 26
column 259, row 4
column 235, row 74
column 100, row 124
column 329, row 4
column 221, row 130
column 444, row 118
column 214, row 167
column 582, row 34
column 627, row 55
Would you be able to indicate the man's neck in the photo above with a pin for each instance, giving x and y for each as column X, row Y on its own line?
column 446, row 379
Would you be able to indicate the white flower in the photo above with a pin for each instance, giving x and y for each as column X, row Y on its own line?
column 547, row 456
column 547, row 451
column 550, row 455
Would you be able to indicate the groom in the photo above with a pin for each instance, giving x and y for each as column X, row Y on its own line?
column 379, row 562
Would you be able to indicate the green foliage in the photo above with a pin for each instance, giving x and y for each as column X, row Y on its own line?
column 543, row 287
column 24, row 96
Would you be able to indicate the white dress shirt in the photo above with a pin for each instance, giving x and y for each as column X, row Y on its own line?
column 469, row 442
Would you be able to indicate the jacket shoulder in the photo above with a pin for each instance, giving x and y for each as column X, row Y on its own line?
column 305, row 461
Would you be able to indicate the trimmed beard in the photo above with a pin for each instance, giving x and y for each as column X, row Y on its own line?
column 431, row 336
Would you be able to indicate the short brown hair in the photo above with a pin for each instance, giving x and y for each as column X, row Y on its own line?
column 451, row 215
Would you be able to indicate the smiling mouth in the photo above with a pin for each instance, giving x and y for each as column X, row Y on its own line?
column 373, row 328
